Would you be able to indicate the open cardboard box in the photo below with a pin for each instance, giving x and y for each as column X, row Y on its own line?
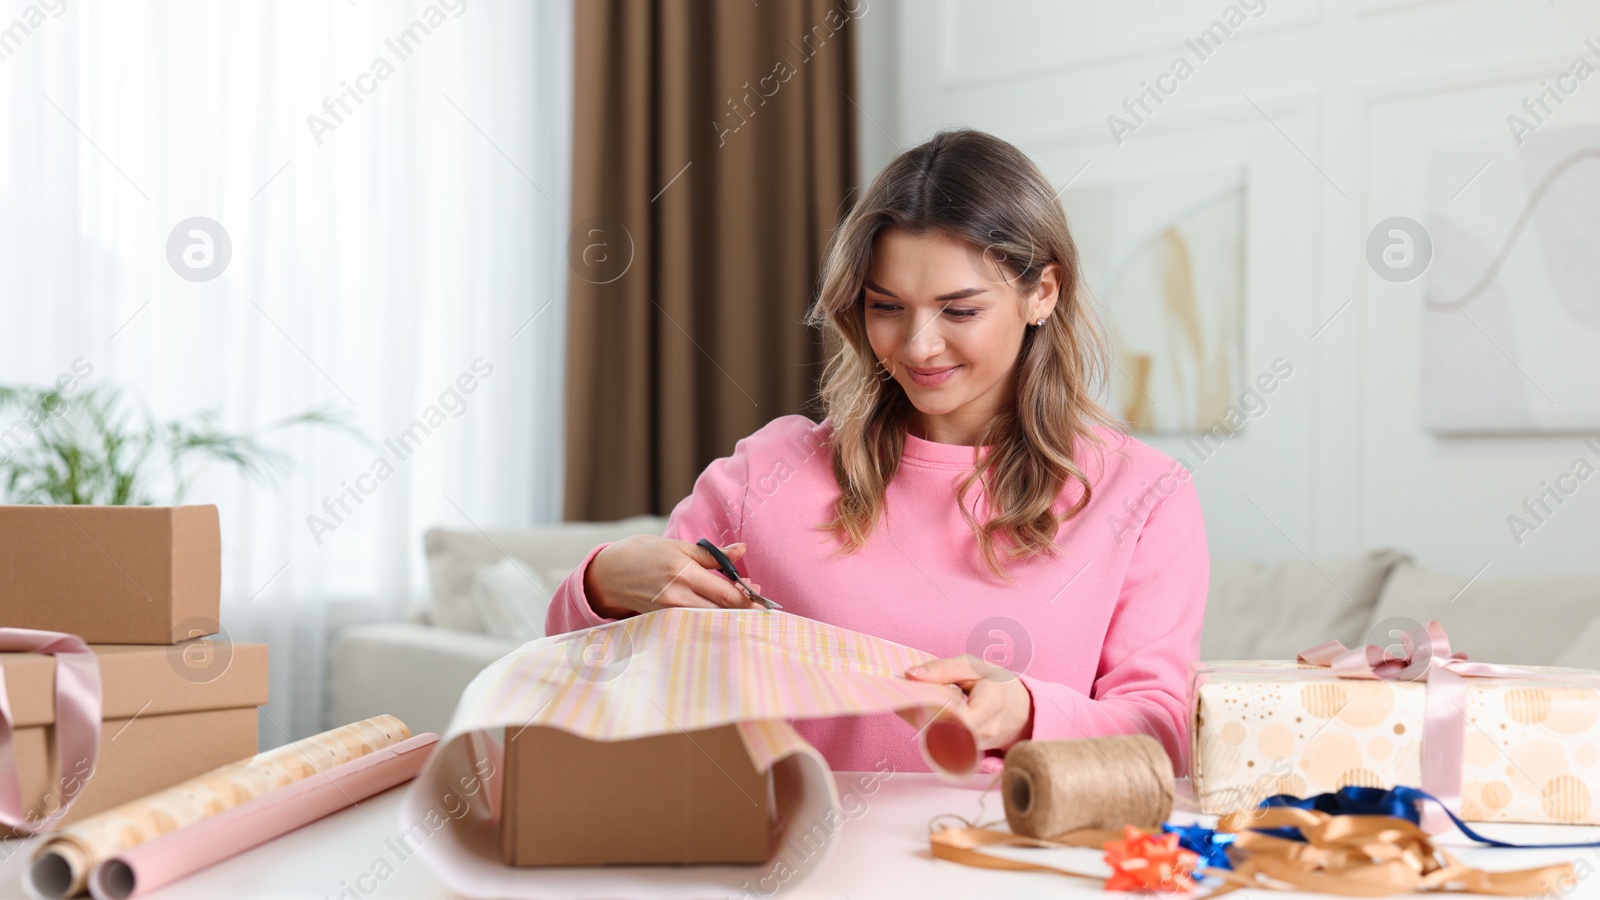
column 111, row 574
column 169, row 713
column 685, row 797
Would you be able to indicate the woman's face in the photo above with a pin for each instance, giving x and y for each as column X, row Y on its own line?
column 945, row 322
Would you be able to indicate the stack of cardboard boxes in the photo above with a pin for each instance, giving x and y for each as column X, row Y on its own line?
column 141, row 586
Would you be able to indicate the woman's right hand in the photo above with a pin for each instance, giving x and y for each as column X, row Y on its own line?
column 645, row 572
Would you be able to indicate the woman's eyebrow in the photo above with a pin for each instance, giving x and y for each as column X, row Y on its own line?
column 953, row 295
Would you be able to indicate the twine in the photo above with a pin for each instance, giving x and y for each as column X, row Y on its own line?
column 1050, row 788
column 1101, row 783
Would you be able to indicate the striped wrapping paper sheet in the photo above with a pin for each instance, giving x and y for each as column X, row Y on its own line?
column 663, row 672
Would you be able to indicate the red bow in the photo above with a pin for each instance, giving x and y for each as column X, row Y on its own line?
column 1145, row 862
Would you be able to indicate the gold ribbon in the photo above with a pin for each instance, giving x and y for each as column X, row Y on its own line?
column 1352, row 856
column 1361, row 856
column 960, row 845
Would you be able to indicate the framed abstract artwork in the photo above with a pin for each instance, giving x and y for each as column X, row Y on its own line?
column 1164, row 258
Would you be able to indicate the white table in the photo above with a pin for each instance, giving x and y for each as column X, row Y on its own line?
column 882, row 852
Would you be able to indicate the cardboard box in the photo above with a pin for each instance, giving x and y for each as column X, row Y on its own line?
column 169, row 713
column 685, row 797
column 1531, row 751
column 111, row 574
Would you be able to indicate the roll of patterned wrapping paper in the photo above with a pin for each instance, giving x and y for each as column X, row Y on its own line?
column 61, row 865
column 680, row 670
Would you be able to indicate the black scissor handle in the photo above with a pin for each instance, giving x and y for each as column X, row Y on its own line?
column 723, row 562
column 726, row 564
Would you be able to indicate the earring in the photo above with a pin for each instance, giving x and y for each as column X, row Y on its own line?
column 1040, row 323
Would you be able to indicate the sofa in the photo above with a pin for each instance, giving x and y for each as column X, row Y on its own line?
column 416, row 669
column 489, row 591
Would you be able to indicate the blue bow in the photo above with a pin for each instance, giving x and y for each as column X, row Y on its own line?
column 1207, row 843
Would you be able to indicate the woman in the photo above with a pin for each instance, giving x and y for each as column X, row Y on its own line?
column 961, row 427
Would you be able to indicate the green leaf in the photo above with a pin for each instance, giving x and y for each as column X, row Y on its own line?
column 97, row 446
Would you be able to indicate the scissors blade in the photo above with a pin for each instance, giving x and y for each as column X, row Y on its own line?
column 732, row 572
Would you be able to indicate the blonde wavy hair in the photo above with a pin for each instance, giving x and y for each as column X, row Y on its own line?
column 980, row 189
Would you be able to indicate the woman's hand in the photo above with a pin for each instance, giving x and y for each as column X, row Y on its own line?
column 645, row 572
column 999, row 705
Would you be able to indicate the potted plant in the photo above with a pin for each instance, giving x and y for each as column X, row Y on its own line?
column 95, row 446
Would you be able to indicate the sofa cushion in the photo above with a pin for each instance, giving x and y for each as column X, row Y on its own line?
column 550, row 551
column 1525, row 620
column 511, row 600
column 1584, row 651
column 1257, row 611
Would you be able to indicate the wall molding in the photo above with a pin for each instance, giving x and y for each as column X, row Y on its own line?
column 950, row 80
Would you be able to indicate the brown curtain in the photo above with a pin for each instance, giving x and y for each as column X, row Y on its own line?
column 714, row 151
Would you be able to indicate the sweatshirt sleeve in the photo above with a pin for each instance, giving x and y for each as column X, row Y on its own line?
column 1152, row 640
column 715, row 510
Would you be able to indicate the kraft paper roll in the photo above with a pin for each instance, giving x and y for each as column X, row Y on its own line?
column 1054, row 787
column 61, row 865
column 147, row 867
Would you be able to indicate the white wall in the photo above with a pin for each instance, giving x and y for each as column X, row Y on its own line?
column 1332, row 107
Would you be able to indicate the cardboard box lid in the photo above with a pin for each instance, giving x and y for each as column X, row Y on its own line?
column 138, row 679
column 122, row 574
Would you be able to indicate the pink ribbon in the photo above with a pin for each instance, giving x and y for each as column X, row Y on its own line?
column 1426, row 657
column 77, row 725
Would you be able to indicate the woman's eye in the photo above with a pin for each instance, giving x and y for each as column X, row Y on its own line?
column 953, row 313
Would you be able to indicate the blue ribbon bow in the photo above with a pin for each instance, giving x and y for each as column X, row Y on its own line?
column 1209, row 844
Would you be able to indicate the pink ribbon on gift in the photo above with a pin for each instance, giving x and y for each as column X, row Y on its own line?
column 1445, row 725
column 77, row 725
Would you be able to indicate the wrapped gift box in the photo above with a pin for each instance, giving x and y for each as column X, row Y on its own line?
column 169, row 713
column 111, row 574
column 1531, row 752
column 685, row 797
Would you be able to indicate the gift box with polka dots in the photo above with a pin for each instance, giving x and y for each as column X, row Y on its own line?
column 1531, row 750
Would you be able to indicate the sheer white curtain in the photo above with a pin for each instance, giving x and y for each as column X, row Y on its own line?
column 392, row 180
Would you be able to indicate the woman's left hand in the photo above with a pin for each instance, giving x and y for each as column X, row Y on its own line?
column 999, row 705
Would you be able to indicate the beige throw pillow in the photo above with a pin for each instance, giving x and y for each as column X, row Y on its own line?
column 511, row 600
column 549, row 551
column 1259, row 611
column 1531, row 620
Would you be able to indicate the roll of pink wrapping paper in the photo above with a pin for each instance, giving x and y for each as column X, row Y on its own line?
column 136, row 872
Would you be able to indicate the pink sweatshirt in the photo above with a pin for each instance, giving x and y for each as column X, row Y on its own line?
column 1102, row 634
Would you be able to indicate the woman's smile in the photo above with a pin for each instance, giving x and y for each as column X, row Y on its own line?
column 931, row 377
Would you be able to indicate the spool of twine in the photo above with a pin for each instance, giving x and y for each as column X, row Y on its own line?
column 1053, row 787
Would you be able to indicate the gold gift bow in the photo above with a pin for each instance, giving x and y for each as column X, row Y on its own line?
column 1362, row 856
column 1352, row 856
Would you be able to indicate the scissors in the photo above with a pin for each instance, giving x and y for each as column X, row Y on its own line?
column 728, row 569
